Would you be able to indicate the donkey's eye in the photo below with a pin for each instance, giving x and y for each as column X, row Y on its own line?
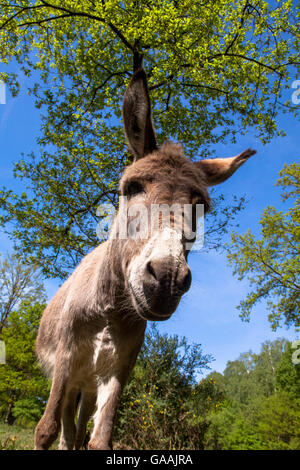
column 133, row 188
column 197, row 198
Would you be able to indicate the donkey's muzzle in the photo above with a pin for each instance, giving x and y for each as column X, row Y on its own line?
column 165, row 281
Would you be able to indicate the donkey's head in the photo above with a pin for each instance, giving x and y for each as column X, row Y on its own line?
column 154, row 263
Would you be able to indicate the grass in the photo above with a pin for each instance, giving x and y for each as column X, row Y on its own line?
column 16, row 437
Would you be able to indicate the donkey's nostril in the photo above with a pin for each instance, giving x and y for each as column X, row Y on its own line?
column 163, row 274
column 151, row 270
column 184, row 279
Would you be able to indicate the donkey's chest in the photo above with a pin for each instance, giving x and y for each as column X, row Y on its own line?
column 105, row 352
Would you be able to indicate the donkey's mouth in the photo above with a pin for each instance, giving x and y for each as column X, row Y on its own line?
column 154, row 317
column 149, row 310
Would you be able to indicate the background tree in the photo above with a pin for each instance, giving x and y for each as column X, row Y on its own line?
column 18, row 282
column 279, row 422
column 160, row 405
column 251, row 391
column 287, row 373
column 272, row 263
column 214, row 68
column 266, row 364
column 23, row 387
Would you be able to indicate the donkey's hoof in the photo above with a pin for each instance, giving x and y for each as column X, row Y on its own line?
column 98, row 445
column 45, row 434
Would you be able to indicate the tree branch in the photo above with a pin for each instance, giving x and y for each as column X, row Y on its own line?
column 195, row 85
column 18, row 13
column 277, row 275
column 68, row 13
column 84, row 210
column 242, row 21
column 45, row 20
column 249, row 59
column 122, row 37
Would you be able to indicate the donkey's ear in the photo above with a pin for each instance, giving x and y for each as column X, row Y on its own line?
column 137, row 121
column 218, row 170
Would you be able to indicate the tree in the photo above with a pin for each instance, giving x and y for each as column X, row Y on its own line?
column 215, row 69
column 253, row 374
column 23, row 387
column 287, row 373
column 260, row 398
column 239, row 380
column 272, row 263
column 160, row 406
column 18, row 282
column 279, row 422
column 266, row 364
column 234, row 428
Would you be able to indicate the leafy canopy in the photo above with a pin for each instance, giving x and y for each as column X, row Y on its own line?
column 272, row 262
column 215, row 69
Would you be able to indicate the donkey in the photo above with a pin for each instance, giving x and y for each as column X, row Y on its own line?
column 92, row 330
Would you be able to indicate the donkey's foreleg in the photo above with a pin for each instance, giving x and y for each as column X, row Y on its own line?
column 87, row 407
column 108, row 397
column 49, row 425
column 67, row 437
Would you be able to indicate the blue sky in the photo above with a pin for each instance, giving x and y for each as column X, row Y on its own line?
column 207, row 313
